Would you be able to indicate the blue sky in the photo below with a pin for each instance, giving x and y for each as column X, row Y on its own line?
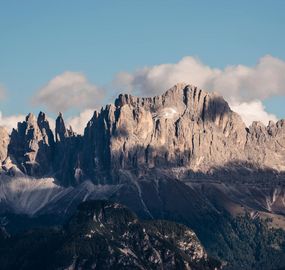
column 42, row 39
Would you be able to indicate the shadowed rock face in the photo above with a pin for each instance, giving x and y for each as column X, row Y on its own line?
column 66, row 162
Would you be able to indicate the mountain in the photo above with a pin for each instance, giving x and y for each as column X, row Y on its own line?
column 105, row 235
column 184, row 128
column 184, row 156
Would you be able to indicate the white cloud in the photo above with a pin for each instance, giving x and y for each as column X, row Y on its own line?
column 68, row 90
column 78, row 123
column 253, row 111
column 10, row 122
column 243, row 86
column 155, row 80
column 235, row 83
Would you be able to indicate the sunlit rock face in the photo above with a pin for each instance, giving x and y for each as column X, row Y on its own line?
column 189, row 128
column 266, row 145
column 4, row 141
column 183, row 127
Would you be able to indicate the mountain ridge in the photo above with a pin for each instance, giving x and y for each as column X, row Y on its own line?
column 184, row 156
column 199, row 130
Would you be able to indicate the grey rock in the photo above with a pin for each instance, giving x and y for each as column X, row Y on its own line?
column 61, row 132
column 184, row 129
column 66, row 162
column 30, row 147
column 4, row 141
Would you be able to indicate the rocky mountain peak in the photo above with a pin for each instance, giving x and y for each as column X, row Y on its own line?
column 185, row 127
column 180, row 99
column 46, row 131
column 31, row 119
column 60, row 129
column 42, row 119
column 30, row 145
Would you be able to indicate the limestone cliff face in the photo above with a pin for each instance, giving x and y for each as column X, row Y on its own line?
column 185, row 128
column 30, row 147
column 265, row 145
column 66, row 162
column 4, row 141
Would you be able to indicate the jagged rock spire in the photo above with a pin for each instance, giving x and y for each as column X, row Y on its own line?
column 44, row 126
column 42, row 117
column 60, row 129
column 30, row 118
column 31, row 145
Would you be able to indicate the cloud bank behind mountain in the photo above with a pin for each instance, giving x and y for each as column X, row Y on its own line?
column 243, row 87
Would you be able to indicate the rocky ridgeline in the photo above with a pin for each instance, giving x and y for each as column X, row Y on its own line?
column 33, row 149
column 184, row 128
column 106, row 235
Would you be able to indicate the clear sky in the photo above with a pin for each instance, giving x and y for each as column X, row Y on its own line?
column 42, row 39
